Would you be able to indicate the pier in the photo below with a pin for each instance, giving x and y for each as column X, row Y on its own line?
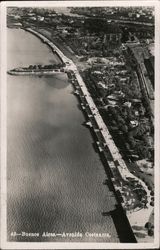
column 40, row 72
column 35, row 72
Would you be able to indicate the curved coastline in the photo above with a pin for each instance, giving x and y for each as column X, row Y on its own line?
column 64, row 174
column 54, row 48
column 134, row 216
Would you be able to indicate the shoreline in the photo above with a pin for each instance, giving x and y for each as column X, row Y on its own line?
column 133, row 217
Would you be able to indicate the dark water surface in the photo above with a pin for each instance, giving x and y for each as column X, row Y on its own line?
column 55, row 178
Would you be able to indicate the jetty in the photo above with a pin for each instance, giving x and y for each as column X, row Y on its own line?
column 34, row 72
column 50, row 69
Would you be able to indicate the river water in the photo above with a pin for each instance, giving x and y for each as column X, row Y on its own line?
column 54, row 176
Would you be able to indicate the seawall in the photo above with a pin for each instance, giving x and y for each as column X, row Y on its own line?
column 108, row 150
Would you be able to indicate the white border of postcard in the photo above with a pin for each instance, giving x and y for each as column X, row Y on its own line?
column 77, row 245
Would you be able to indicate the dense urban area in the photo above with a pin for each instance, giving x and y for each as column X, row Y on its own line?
column 112, row 48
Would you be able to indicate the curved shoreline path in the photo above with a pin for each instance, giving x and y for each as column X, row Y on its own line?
column 136, row 218
column 55, row 180
column 52, row 46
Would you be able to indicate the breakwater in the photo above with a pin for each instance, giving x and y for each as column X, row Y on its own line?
column 34, row 72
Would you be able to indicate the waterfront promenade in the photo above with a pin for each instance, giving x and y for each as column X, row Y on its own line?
column 136, row 218
column 51, row 45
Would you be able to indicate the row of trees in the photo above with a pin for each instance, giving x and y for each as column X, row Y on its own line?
column 49, row 66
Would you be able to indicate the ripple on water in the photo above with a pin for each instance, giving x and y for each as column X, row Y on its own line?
column 55, row 178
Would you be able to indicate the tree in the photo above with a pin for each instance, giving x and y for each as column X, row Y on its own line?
column 152, row 203
column 148, row 225
column 142, row 150
column 123, row 128
column 131, row 141
column 120, row 120
column 150, row 232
